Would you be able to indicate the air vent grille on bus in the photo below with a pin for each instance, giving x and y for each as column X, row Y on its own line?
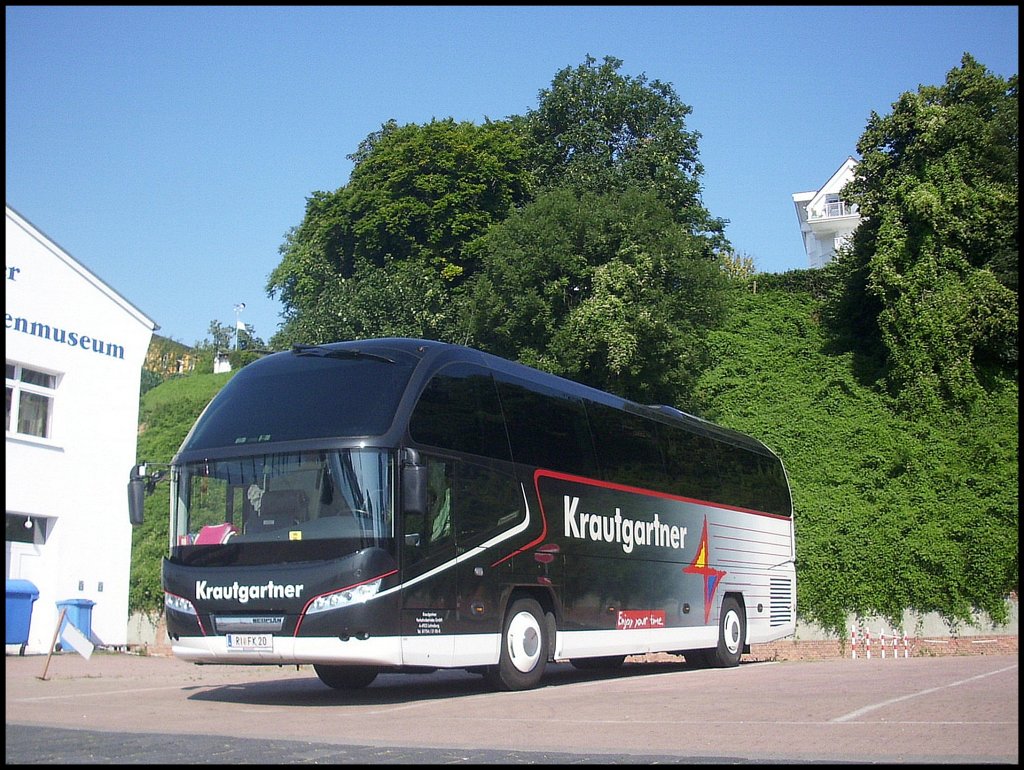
column 781, row 591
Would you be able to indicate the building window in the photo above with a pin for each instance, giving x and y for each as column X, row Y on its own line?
column 30, row 397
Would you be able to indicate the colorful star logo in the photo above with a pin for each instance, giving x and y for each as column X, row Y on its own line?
column 699, row 566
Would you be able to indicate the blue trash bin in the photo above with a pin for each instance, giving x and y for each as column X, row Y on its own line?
column 79, row 614
column 21, row 596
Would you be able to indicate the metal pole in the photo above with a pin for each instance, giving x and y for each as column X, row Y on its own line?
column 60, row 621
column 238, row 312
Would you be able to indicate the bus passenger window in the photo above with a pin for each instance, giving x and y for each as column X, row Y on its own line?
column 487, row 501
column 459, row 410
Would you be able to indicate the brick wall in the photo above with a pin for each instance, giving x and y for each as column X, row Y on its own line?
column 817, row 649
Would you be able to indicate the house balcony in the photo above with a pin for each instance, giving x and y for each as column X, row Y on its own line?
column 838, row 219
column 833, row 211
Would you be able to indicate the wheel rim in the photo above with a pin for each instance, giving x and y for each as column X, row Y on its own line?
column 731, row 627
column 523, row 641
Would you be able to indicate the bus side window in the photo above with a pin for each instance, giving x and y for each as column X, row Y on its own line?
column 459, row 411
column 487, row 501
column 693, row 464
column 546, row 429
column 628, row 451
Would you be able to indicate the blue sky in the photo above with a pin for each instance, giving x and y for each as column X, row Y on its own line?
column 170, row 149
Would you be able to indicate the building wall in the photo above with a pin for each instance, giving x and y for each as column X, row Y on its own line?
column 168, row 358
column 72, row 484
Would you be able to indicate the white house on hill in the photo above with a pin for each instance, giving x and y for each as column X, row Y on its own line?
column 826, row 220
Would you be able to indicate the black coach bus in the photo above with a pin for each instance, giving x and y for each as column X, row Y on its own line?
column 401, row 504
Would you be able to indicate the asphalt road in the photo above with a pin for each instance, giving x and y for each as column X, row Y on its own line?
column 118, row 708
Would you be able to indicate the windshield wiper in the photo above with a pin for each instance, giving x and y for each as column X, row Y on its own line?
column 318, row 350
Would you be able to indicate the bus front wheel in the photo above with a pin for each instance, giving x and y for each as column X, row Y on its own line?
column 346, row 677
column 524, row 648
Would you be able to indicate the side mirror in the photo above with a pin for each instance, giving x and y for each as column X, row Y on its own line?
column 414, row 484
column 140, row 484
column 136, row 500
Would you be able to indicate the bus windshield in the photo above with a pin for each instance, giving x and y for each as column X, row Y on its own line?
column 285, row 497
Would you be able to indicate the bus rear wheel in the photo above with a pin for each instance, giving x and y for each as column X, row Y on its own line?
column 732, row 634
column 699, row 658
column 346, row 677
column 524, row 648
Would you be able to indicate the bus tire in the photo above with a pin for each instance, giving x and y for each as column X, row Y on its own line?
column 346, row 677
column 732, row 635
column 524, row 648
column 605, row 662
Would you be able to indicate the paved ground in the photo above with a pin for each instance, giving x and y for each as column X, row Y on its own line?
column 118, row 708
column 49, row 745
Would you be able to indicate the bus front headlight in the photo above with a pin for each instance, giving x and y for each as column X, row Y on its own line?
column 173, row 602
column 345, row 597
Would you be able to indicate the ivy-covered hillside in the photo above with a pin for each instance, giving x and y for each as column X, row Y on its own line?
column 892, row 513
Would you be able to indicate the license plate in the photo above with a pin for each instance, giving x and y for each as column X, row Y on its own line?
column 250, row 642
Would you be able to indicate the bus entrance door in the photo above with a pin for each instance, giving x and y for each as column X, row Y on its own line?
column 428, row 557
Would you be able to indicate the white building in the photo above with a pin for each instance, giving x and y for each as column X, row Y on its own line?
column 826, row 220
column 75, row 350
column 221, row 362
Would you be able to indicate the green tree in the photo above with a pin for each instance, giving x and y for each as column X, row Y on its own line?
column 222, row 336
column 389, row 253
column 148, row 381
column 425, row 191
column 606, row 289
column 308, row 270
column 385, row 254
column 600, row 131
column 928, row 285
column 737, row 265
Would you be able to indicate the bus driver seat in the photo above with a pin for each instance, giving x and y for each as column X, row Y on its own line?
column 281, row 508
column 216, row 534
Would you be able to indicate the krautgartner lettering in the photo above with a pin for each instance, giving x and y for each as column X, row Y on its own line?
column 620, row 529
column 243, row 593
